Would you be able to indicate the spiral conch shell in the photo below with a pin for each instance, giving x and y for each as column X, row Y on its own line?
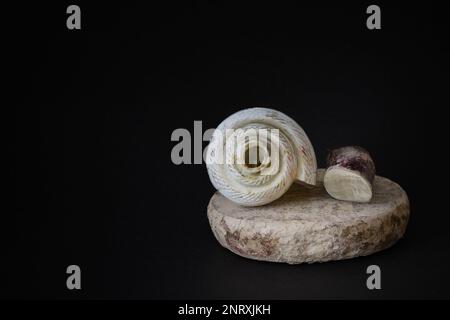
column 283, row 151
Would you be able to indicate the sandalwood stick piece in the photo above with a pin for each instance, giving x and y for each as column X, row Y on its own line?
column 350, row 173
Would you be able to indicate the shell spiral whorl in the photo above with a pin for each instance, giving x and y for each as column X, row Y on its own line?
column 284, row 155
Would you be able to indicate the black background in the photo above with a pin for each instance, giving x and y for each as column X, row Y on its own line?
column 95, row 109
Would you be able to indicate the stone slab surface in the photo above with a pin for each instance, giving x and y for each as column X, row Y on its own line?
column 306, row 225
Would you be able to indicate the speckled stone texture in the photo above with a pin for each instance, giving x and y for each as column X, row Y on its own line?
column 306, row 225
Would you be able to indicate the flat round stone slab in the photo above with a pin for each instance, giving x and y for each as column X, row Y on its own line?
column 307, row 225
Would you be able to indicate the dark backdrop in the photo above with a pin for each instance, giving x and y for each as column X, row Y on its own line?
column 95, row 109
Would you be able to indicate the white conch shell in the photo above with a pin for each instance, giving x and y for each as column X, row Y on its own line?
column 247, row 185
